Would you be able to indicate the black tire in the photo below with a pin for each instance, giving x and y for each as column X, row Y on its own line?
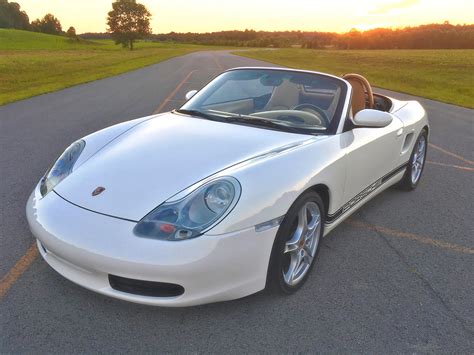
column 278, row 260
column 407, row 182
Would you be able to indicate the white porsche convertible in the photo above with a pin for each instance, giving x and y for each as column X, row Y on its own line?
column 229, row 194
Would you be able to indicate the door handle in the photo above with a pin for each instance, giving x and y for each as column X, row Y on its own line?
column 399, row 132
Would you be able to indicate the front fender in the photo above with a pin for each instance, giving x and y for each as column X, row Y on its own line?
column 271, row 185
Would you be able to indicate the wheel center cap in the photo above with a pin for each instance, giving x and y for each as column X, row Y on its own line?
column 301, row 243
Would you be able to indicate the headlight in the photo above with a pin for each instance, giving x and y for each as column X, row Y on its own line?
column 192, row 215
column 62, row 167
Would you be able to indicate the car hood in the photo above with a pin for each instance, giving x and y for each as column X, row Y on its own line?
column 160, row 157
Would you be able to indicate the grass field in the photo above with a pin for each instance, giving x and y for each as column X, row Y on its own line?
column 443, row 75
column 34, row 63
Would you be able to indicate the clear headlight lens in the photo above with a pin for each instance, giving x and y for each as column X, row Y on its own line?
column 192, row 215
column 62, row 167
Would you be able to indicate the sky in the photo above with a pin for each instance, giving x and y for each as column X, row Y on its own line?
column 268, row 15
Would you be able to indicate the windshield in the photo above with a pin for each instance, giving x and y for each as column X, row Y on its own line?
column 283, row 99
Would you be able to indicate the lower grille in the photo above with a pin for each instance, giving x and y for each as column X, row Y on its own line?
column 145, row 288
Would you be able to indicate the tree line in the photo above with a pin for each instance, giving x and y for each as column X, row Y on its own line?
column 129, row 21
column 11, row 16
column 431, row 36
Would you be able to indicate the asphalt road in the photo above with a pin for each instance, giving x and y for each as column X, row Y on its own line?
column 398, row 278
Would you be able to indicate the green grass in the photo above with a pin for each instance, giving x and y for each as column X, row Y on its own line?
column 443, row 75
column 24, row 40
column 34, row 63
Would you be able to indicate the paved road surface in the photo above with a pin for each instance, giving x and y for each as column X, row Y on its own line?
column 399, row 278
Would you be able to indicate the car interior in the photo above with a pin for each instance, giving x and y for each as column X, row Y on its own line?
column 287, row 101
column 296, row 102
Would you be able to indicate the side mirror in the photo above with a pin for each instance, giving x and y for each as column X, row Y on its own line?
column 190, row 94
column 372, row 118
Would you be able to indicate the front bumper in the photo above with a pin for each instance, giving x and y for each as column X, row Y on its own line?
column 86, row 247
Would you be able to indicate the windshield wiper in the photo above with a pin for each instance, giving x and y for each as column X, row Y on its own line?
column 200, row 114
column 262, row 121
column 266, row 123
column 220, row 116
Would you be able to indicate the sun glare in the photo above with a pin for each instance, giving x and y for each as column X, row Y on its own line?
column 276, row 15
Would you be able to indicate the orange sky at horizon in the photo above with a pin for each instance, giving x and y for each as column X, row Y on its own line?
column 268, row 15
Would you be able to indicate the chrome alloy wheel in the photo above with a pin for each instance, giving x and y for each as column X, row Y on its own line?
column 418, row 160
column 300, row 249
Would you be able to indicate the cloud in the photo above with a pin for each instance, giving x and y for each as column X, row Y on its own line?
column 385, row 8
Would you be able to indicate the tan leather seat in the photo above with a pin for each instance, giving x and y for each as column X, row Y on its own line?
column 284, row 97
column 358, row 94
column 360, row 87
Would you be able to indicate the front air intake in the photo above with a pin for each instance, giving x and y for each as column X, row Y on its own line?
column 145, row 288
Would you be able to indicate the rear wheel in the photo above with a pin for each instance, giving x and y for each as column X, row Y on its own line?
column 416, row 164
column 297, row 244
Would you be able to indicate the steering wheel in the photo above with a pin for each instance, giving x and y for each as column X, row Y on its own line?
column 365, row 83
column 315, row 110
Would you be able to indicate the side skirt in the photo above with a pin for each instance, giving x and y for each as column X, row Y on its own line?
column 362, row 197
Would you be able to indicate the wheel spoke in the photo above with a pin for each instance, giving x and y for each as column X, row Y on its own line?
column 295, row 263
column 314, row 222
column 303, row 218
column 299, row 265
column 308, row 251
column 308, row 258
column 300, row 231
column 420, row 158
column 291, row 245
column 421, row 148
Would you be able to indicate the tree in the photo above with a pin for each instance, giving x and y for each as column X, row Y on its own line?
column 12, row 17
column 71, row 33
column 128, row 21
column 36, row 25
column 48, row 24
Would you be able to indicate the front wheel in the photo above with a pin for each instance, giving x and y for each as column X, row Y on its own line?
column 416, row 164
column 296, row 244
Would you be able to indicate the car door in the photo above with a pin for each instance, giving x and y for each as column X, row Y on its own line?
column 371, row 154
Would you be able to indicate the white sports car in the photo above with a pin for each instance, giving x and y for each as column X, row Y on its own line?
column 229, row 194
